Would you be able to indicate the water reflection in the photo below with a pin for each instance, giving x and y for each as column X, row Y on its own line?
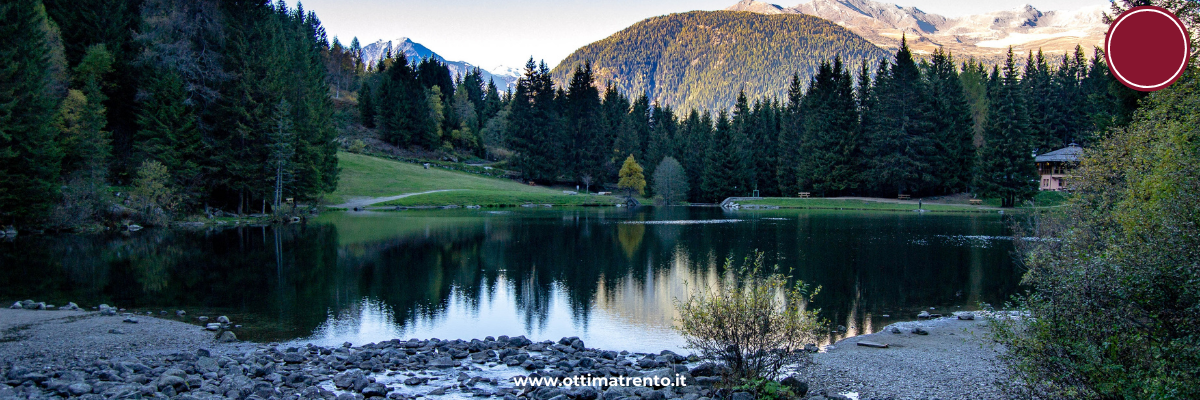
column 608, row 276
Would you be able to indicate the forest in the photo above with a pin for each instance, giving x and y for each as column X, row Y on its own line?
column 901, row 125
column 168, row 105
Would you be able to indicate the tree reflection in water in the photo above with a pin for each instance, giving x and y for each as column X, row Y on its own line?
column 541, row 273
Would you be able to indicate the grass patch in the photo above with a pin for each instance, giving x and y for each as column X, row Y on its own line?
column 367, row 176
column 855, row 204
column 489, row 198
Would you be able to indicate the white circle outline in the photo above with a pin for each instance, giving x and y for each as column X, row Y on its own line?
column 1175, row 21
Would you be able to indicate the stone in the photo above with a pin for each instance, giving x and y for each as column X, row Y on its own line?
column 79, row 389
column 873, row 344
column 741, row 396
column 227, row 337
column 923, row 315
column 131, row 320
column 966, row 316
column 169, row 381
column 798, row 387
column 443, row 363
column 437, row 392
column 294, row 358
column 202, row 319
column 812, row 348
column 895, row 330
column 920, row 331
column 107, row 311
column 180, row 313
column 17, row 306
column 223, row 319
column 116, row 331
column 213, row 326
column 374, row 389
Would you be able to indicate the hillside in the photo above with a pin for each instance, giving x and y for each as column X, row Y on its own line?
column 984, row 36
column 702, row 59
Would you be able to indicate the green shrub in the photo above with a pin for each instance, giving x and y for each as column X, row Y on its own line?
column 754, row 323
column 1115, row 311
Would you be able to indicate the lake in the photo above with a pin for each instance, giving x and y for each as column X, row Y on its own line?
column 607, row 275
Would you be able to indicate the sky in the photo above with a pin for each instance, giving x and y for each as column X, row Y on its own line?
column 494, row 33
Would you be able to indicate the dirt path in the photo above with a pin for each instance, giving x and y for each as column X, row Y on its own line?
column 366, row 201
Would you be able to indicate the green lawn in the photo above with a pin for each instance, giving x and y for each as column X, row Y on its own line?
column 366, row 176
column 854, row 204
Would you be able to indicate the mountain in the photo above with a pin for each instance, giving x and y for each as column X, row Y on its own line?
column 701, row 59
column 984, row 36
column 372, row 53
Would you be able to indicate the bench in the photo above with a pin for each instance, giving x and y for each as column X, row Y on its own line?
column 805, row 195
column 904, row 197
column 976, row 202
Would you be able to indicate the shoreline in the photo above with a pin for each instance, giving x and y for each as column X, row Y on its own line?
column 77, row 354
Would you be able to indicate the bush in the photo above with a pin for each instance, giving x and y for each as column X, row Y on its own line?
column 152, row 196
column 357, row 146
column 754, row 324
column 1115, row 311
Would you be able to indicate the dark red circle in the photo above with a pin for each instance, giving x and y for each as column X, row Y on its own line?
column 1147, row 48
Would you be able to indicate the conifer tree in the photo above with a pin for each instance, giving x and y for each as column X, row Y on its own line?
column 167, row 133
column 533, row 124
column 897, row 132
column 790, row 133
column 830, row 137
column 952, row 128
column 587, row 151
column 29, row 154
column 721, row 164
column 1005, row 164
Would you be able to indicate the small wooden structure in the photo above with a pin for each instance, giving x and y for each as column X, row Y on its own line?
column 976, row 202
column 805, row 195
column 904, row 197
column 1053, row 166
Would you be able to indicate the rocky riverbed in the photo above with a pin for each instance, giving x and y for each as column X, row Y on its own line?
column 89, row 355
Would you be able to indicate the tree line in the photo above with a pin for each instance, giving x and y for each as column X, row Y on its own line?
column 899, row 126
column 164, row 106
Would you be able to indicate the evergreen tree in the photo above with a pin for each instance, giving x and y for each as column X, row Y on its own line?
column 533, row 125
column 952, row 126
column 29, row 155
column 1037, row 87
column 721, row 163
column 167, row 133
column 897, row 128
column 830, row 137
column 791, row 132
column 587, row 150
column 1005, row 166
column 695, row 133
column 366, row 106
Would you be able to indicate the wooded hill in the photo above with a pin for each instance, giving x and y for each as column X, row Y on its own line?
column 702, row 59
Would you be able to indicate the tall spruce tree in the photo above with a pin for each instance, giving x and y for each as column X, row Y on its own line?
column 29, row 155
column 533, row 125
column 721, row 164
column 952, row 128
column 1005, row 165
column 898, row 142
column 830, row 133
column 586, row 151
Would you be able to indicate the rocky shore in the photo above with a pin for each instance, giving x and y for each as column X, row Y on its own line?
column 90, row 355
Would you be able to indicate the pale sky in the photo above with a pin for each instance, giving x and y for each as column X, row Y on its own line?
column 492, row 33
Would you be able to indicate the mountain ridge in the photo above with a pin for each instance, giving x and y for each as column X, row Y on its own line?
column 984, row 36
column 415, row 52
column 703, row 59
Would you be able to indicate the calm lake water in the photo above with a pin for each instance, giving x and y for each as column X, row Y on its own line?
column 609, row 276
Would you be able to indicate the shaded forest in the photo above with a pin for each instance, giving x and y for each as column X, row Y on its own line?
column 142, row 109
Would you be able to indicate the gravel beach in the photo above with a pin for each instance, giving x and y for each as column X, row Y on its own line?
column 952, row 361
column 81, row 354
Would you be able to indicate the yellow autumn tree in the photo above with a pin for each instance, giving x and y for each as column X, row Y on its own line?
column 632, row 179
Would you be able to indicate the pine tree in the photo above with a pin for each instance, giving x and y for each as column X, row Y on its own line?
column 587, row 150
column 791, row 132
column 897, row 130
column 533, row 124
column 952, row 126
column 29, row 155
column 366, row 106
column 830, row 135
column 167, row 133
column 1005, row 166
column 720, row 163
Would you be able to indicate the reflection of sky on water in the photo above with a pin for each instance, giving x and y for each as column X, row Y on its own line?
column 608, row 326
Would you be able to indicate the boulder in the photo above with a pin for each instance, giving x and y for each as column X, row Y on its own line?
column 920, row 331
column 227, row 337
column 923, row 315
column 798, row 386
column 213, row 326
column 131, row 320
column 966, row 316
column 223, row 319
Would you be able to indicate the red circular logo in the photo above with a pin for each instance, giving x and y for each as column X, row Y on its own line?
column 1147, row 48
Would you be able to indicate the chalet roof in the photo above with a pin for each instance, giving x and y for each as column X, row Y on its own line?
column 1070, row 153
